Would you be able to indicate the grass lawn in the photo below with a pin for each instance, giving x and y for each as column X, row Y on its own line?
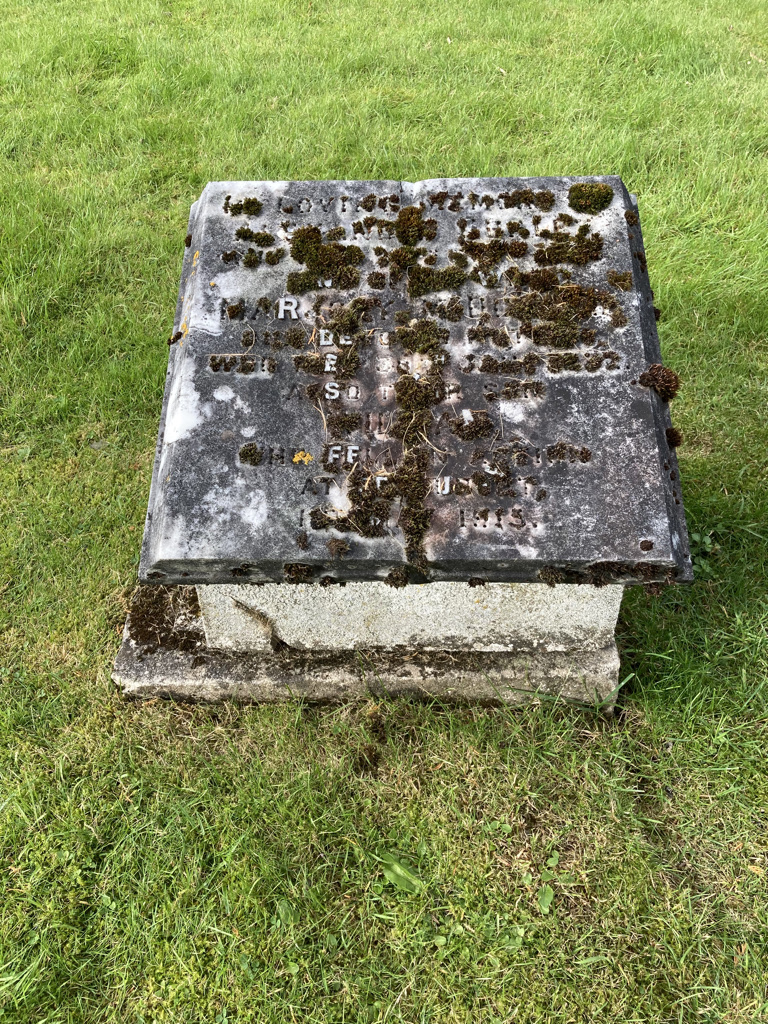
column 164, row 863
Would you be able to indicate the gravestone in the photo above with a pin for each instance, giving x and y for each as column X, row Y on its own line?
column 421, row 421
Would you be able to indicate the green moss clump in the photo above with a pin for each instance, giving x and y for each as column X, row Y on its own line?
column 514, row 389
column 480, row 426
column 556, row 317
column 422, row 280
column 252, row 259
column 581, row 248
column 488, row 254
column 410, row 226
column 250, row 206
column 512, row 367
column 402, row 259
column 487, row 334
column 295, row 337
column 349, row 361
column 262, row 238
column 296, row 572
column 251, row 454
column 618, row 280
column 594, row 360
column 664, row 381
column 342, row 423
column 335, row 234
column 349, row 319
column 535, row 280
column 565, row 452
column 413, row 394
column 409, row 426
column 452, row 310
column 563, row 361
column 274, row 256
column 332, row 262
column 397, row 577
column 377, row 280
column 309, row 362
column 516, row 227
column 590, row 196
column 425, row 336
column 544, row 200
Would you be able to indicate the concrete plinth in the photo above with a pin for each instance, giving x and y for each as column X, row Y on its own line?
column 497, row 643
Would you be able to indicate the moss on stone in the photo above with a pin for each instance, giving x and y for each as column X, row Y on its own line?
column 590, row 196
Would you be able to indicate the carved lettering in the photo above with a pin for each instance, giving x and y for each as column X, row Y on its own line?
column 287, row 304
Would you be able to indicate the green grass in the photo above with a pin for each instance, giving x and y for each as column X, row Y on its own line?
column 167, row 864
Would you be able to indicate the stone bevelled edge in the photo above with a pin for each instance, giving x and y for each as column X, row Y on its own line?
column 584, row 677
column 661, row 411
column 186, row 267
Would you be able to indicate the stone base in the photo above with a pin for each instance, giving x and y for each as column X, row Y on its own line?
column 165, row 654
column 428, row 617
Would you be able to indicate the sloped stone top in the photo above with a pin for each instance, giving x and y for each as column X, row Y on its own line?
column 458, row 379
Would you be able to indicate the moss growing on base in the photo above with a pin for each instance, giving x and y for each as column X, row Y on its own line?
column 297, row 572
column 397, row 577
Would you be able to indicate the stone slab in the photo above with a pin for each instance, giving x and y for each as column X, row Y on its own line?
column 430, row 381
column 518, row 617
column 164, row 654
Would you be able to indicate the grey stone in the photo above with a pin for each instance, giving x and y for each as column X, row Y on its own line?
column 541, row 450
column 167, row 656
column 518, row 617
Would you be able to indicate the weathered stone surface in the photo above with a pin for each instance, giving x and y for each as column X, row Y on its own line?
column 164, row 654
column 441, row 381
column 436, row 616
